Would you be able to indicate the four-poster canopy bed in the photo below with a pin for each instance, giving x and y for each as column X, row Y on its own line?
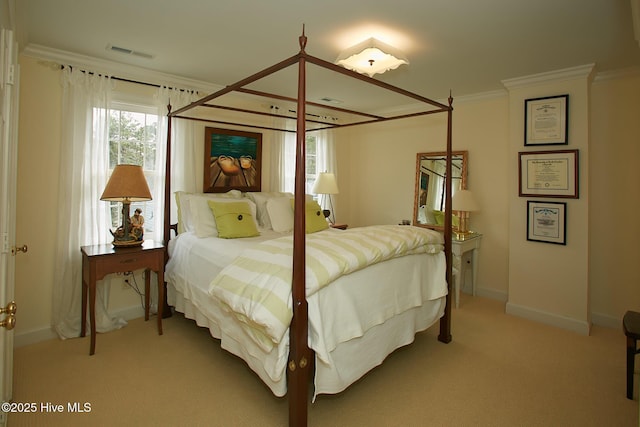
column 299, row 357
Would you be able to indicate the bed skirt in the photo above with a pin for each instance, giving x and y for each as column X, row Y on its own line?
column 349, row 360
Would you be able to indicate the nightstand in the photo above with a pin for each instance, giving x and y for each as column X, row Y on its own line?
column 100, row 260
column 459, row 247
column 339, row 226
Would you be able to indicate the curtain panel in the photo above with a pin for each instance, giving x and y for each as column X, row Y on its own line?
column 84, row 164
column 186, row 148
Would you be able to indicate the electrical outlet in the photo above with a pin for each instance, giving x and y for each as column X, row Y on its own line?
column 125, row 281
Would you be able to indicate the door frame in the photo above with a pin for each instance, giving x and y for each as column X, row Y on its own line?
column 9, row 90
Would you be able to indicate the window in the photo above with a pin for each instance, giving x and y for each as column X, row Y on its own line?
column 319, row 158
column 133, row 131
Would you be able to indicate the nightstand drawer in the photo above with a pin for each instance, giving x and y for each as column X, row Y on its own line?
column 127, row 262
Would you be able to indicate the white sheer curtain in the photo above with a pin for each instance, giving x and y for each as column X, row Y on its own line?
column 283, row 157
column 184, row 176
column 83, row 218
column 326, row 160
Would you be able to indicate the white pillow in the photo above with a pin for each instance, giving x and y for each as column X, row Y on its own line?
column 280, row 214
column 184, row 213
column 203, row 220
column 260, row 199
column 429, row 216
column 186, row 221
column 235, row 194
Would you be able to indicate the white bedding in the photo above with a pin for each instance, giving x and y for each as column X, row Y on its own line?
column 379, row 309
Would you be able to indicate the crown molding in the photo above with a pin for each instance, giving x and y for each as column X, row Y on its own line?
column 462, row 99
column 579, row 72
column 482, row 96
column 116, row 69
column 617, row 74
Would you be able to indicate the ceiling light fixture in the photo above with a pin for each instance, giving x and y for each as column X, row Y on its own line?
column 370, row 57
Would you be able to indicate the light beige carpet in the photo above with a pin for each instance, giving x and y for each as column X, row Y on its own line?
column 499, row 370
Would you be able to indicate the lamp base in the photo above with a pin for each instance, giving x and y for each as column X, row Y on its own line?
column 127, row 243
column 463, row 235
column 122, row 240
column 126, row 236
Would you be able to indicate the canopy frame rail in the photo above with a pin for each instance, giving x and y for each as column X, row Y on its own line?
column 299, row 362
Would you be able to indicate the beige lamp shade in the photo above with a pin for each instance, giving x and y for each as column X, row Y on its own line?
column 127, row 183
column 325, row 184
column 463, row 200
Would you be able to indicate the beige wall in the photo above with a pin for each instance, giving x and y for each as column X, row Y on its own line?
column 550, row 282
column 377, row 172
column 37, row 193
column 376, row 179
column 614, row 184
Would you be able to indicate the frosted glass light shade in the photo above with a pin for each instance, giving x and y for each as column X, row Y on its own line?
column 370, row 57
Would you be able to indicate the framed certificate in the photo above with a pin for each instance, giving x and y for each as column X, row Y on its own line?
column 546, row 120
column 548, row 174
column 546, row 222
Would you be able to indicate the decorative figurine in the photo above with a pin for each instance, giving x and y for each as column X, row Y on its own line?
column 137, row 224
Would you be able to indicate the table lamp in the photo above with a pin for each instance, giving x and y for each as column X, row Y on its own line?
column 126, row 184
column 463, row 202
column 326, row 184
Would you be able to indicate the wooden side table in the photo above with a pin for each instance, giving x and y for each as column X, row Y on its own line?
column 458, row 248
column 100, row 260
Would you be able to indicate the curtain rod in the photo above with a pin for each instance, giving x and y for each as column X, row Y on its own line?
column 121, row 79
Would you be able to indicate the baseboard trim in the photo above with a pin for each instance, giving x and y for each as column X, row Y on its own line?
column 606, row 320
column 492, row 294
column 33, row 337
column 45, row 334
column 581, row 327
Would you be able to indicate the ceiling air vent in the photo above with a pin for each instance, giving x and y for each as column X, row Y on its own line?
column 330, row 100
column 125, row 51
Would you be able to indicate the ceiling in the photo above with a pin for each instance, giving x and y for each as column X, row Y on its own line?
column 463, row 46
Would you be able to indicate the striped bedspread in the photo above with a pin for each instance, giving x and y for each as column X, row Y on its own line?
column 256, row 287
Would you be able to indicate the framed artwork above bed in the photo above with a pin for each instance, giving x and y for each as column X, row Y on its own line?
column 232, row 160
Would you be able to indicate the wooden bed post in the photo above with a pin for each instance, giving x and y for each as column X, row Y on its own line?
column 445, row 321
column 167, row 185
column 299, row 355
column 166, row 310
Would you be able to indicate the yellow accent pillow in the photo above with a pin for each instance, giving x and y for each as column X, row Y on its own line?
column 314, row 219
column 233, row 219
column 439, row 216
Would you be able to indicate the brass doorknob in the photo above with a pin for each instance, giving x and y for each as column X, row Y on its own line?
column 10, row 309
column 9, row 322
column 16, row 249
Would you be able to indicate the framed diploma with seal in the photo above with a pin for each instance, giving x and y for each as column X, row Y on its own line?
column 548, row 174
column 546, row 222
column 546, row 120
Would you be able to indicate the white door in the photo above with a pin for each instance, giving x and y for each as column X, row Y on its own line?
column 8, row 162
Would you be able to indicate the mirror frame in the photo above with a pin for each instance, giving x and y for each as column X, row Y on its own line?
column 416, row 195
